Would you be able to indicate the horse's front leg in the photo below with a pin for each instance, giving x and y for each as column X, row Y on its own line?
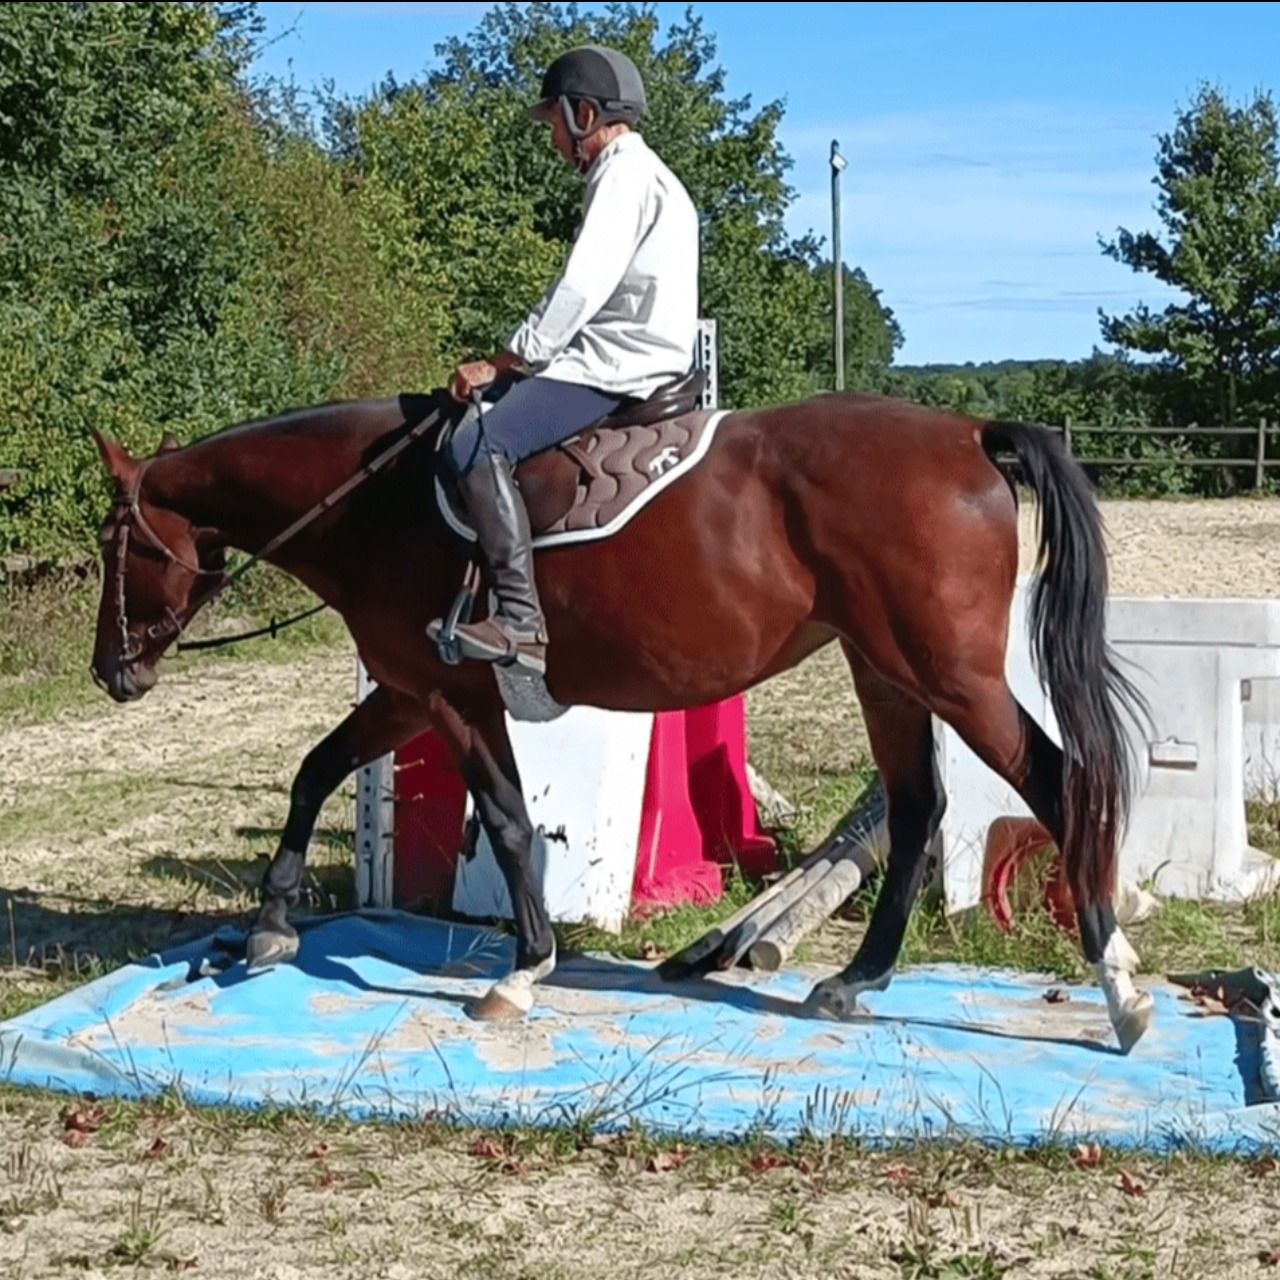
column 382, row 722
column 901, row 733
column 482, row 748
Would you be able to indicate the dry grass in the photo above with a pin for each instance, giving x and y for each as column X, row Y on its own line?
column 165, row 1188
column 806, row 725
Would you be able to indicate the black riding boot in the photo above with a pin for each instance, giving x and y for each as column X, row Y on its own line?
column 515, row 634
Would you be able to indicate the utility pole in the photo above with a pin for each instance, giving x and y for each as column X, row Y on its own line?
column 837, row 263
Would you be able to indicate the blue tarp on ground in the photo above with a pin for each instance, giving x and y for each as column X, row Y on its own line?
column 370, row 1021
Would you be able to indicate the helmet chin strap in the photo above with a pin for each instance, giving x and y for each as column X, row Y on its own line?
column 576, row 131
column 579, row 134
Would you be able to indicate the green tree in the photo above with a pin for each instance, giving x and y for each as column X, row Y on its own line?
column 133, row 295
column 495, row 207
column 357, row 288
column 1218, row 174
column 174, row 254
column 871, row 334
column 1104, row 390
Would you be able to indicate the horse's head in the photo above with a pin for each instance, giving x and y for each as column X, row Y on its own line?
column 152, row 560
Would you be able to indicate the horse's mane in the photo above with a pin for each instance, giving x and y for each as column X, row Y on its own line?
column 361, row 423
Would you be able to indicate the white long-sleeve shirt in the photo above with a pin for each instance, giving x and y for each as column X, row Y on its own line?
column 623, row 316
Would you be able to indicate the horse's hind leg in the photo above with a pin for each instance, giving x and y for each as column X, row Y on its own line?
column 901, row 734
column 379, row 724
column 1002, row 734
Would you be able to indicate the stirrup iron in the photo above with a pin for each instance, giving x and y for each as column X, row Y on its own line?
column 460, row 612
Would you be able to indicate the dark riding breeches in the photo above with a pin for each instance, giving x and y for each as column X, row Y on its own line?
column 522, row 417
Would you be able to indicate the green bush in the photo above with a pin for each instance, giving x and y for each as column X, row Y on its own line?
column 179, row 263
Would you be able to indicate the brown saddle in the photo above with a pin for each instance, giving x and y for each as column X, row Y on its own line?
column 681, row 396
column 589, row 486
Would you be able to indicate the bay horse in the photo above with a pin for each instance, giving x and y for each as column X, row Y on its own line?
column 885, row 527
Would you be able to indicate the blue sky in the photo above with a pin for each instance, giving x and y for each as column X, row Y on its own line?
column 989, row 145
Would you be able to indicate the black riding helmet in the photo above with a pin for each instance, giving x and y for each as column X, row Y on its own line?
column 604, row 77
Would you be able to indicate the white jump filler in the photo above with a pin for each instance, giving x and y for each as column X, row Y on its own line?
column 1210, row 671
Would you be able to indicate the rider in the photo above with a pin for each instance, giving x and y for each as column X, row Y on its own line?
column 620, row 322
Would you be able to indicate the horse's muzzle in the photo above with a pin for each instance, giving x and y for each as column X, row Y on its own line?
column 125, row 683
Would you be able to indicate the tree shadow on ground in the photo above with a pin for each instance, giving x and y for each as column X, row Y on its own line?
column 59, row 933
column 203, row 784
column 326, row 882
column 54, row 930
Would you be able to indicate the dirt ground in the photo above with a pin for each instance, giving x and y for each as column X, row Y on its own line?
column 163, row 1194
column 123, row 827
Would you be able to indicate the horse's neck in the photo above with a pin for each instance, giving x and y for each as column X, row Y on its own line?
column 245, row 487
column 241, row 494
column 248, row 485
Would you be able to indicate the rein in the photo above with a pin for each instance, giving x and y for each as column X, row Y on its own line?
column 272, row 629
column 175, row 623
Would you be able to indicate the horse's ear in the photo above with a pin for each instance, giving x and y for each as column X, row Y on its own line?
column 118, row 461
column 168, row 444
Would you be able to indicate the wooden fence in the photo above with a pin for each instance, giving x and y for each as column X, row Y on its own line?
column 1263, row 459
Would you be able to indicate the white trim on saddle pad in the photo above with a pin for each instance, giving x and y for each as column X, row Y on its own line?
column 623, row 517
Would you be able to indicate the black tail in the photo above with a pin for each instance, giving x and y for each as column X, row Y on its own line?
column 1070, row 650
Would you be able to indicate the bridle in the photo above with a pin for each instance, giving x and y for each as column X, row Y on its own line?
column 129, row 502
column 174, row 623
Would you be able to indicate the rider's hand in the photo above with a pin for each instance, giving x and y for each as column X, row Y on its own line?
column 478, row 374
column 472, row 377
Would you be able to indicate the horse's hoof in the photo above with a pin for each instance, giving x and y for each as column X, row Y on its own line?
column 493, row 1006
column 264, row 950
column 832, row 1000
column 838, row 1000
column 1134, row 1020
